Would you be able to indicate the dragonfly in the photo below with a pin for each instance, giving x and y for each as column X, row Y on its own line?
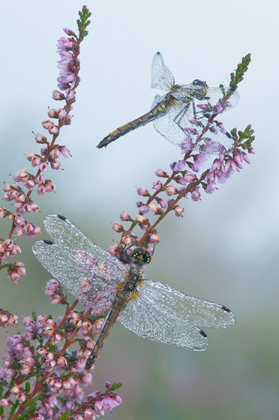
column 148, row 308
column 176, row 115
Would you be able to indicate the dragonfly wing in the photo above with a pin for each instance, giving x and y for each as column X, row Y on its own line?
column 68, row 236
column 161, row 78
column 166, row 315
column 90, row 284
column 216, row 94
column 148, row 320
column 168, row 128
column 199, row 312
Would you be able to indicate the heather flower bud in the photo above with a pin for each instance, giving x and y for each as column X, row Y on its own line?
column 124, row 216
column 117, row 227
column 179, row 211
column 160, row 173
column 142, row 191
column 195, row 195
column 170, row 190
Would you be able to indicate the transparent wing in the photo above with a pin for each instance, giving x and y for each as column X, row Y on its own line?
column 168, row 128
column 161, row 77
column 186, row 120
column 89, row 277
column 215, row 94
column 166, row 315
column 69, row 237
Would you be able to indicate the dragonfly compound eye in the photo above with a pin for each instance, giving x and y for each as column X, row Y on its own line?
column 140, row 256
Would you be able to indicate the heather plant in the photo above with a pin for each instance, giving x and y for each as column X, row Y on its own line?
column 43, row 375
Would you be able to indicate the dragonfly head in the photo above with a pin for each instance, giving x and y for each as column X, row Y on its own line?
column 201, row 88
column 140, row 256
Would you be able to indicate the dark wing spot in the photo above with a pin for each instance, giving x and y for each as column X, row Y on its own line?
column 48, row 242
column 62, row 217
column 203, row 333
column 226, row 309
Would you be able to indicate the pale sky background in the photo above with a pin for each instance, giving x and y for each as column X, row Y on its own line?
column 225, row 249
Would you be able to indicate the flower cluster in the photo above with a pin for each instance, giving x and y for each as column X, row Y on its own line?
column 40, row 376
column 42, row 348
column 206, row 136
column 25, row 182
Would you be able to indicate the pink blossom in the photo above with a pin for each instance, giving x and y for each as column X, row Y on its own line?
column 178, row 211
column 195, row 195
column 161, row 173
column 117, row 227
column 124, row 216
column 142, row 191
column 170, row 190
column 65, row 151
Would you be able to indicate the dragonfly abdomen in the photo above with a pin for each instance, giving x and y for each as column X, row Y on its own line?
column 158, row 111
column 120, row 302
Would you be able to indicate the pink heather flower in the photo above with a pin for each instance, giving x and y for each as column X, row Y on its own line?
column 15, row 389
column 198, row 161
column 62, row 113
column 39, row 179
column 39, row 138
column 58, row 96
column 211, row 186
column 6, row 318
column 55, row 164
column 52, row 113
column 179, row 165
column 98, row 409
column 49, row 186
column 3, row 212
column 34, row 159
column 8, row 248
column 70, row 94
column 47, row 124
column 185, row 146
column 195, row 195
column 55, row 153
column 157, row 185
column 170, row 190
column 238, row 158
column 19, row 221
column 30, row 184
column 117, row 227
column 124, row 216
column 110, row 403
column 43, row 166
column 155, row 208
column 41, row 190
column 180, row 180
column 127, row 240
column 178, row 211
column 190, row 177
column 142, row 191
column 53, row 130
column 65, row 151
column 154, row 238
column 246, row 158
column 161, row 173
column 162, row 203
column 21, row 176
column 141, row 219
column 143, row 209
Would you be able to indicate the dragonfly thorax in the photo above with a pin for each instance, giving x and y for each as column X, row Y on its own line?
column 140, row 256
